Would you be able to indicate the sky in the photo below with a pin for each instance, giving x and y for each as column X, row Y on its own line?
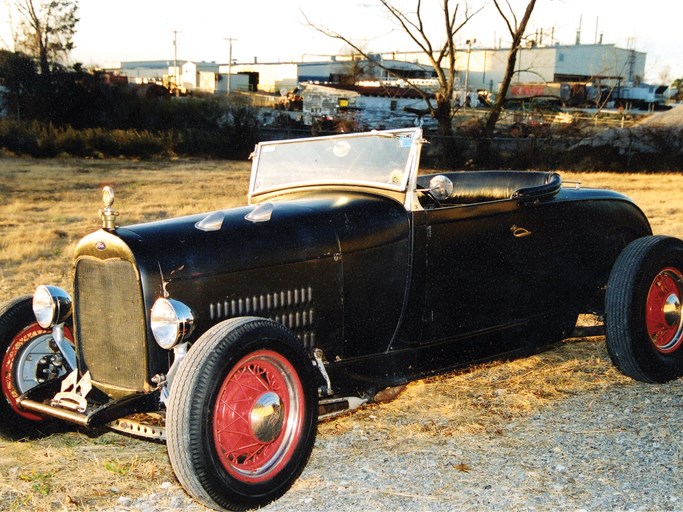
column 277, row 31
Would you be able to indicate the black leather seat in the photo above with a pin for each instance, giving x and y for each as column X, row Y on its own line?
column 482, row 186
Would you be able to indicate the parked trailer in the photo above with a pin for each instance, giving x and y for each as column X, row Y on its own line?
column 643, row 96
column 571, row 94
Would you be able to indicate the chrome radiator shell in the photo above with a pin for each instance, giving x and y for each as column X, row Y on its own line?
column 110, row 324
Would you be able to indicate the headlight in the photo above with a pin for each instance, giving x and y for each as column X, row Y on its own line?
column 51, row 306
column 171, row 322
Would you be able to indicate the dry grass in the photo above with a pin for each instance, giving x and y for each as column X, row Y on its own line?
column 487, row 397
column 46, row 206
column 72, row 471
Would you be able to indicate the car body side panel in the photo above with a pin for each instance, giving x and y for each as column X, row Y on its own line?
column 374, row 237
column 473, row 270
column 565, row 262
column 291, row 272
column 506, row 263
column 375, row 242
column 319, row 266
column 591, row 229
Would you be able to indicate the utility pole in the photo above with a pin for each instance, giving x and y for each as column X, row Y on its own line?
column 578, row 31
column 175, row 59
column 229, row 40
column 469, row 43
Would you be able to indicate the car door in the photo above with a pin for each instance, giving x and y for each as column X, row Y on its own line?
column 487, row 268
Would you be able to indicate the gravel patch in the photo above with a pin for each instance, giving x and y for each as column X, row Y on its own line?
column 673, row 117
column 617, row 448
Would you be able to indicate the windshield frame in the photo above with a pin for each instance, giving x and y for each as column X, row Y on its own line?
column 409, row 139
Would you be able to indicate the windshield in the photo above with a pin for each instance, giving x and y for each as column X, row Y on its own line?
column 379, row 159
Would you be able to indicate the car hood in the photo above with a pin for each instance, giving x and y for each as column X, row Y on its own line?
column 181, row 250
column 302, row 229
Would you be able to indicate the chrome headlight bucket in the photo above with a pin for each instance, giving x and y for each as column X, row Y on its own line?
column 171, row 322
column 51, row 306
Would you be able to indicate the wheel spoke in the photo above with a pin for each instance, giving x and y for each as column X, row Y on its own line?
column 241, row 414
column 256, row 416
column 28, row 361
column 663, row 317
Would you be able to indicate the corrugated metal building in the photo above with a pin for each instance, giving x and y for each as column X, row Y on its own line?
column 603, row 63
column 479, row 68
column 274, row 77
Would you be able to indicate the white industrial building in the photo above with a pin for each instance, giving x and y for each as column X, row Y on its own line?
column 484, row 68
column 274, row 77
column 207, row 77
column 477, row 69
column 141, row 72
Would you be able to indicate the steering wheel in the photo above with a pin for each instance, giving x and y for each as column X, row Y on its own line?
column 429, row 195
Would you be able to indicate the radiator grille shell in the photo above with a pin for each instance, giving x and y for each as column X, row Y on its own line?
column 110, row 324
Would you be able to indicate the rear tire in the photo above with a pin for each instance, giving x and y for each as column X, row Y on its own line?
column 242, row 414
column 643, row 314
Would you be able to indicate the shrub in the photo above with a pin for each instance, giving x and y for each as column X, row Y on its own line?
column 44, row 140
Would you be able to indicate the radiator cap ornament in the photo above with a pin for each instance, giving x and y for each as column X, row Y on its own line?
column 108, row 214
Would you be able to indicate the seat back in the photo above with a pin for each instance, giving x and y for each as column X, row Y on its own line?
column 483, row 186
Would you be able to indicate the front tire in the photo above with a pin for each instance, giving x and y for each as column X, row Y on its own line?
column 28, row 357
column 242, row 414
column 643, row 312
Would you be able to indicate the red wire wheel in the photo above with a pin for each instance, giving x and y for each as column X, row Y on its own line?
column 258, row 416
column 9, row 368
column 28, row 357
column 242, row 414
column 663, row 318
column 643, row 315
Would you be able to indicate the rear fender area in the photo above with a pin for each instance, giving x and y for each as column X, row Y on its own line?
column 628, row 224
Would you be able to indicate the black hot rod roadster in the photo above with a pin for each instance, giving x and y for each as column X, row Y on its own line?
column 230, row 333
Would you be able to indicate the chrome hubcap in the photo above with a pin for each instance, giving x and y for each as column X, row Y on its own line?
column 664, row 314
column 36, row 363
column 672, row 310
column 267, row 417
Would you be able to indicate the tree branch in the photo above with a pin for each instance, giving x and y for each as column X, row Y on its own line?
column 415, row 28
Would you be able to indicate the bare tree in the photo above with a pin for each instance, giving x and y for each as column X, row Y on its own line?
column 47, row 30
column 516, row 29
column 442, row 57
